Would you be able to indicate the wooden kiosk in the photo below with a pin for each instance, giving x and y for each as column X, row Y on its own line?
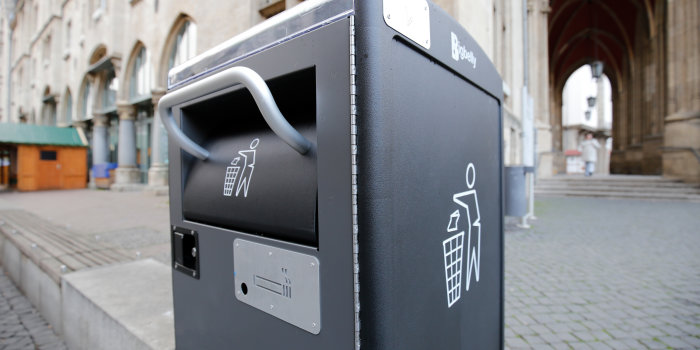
column 35, row 157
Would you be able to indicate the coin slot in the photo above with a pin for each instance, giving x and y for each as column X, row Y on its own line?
column 185, row 251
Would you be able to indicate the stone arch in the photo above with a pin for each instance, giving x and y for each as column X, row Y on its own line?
column 97, row 54
column 104, row 68
column 610, row 73
column 618, row 33
column 107, row 87
column 86, row 98
column 125, row 92
column 180, row 22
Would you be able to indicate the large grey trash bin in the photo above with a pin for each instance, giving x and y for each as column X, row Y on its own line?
column 336, row 183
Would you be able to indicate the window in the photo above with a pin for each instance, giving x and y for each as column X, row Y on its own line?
column 68, row 39
column 47, row 155
column 184, row 47
column 20, row 78
column 49, row 112
column 140, row 82
column 86, row 101
column 99, row 7
column 68, row 111
column 47, row 51
column 32, row 71
column 35, row 18
column 109, row 91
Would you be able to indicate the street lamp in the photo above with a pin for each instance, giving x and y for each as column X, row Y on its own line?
column 591, row 101
column 588, row 115
column 597, row 69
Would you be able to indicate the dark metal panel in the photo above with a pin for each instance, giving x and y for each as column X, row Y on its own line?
column 269, row 188
column 423, row 124
column 207, row 314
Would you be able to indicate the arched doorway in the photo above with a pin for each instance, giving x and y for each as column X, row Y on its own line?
column 586, row 109
column 625, row 37
column 109, row 85
column 180, row 46
column 139, row 74
column 98, row 111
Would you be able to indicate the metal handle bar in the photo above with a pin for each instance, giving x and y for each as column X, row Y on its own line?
column 257, row 87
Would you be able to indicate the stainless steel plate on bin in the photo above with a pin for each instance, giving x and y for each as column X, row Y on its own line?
column 280, row 282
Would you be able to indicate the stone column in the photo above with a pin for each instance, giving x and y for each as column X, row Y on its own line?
column 100, row 144
column 158, row 173
column 100, row 141
column 539, row 86
column 127, row 171
column 681, row 150
column 81, row 126
column 603, row 164
column 600, row 103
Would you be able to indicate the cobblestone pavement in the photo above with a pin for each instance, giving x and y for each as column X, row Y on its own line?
column 605, row 274
column 21, row 325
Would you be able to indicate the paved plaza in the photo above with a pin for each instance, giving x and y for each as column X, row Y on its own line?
column 590, row 274
column 605, row 274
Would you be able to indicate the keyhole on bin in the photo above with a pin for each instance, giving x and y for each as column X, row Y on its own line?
column 244, row 288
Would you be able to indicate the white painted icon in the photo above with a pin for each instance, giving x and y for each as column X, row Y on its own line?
column 454, row 221
column 453, row 248
column 231, row 175
column 469, row 201
column 245, row 170
column 469, row 207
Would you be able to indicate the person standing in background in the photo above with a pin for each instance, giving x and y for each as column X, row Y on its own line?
column 589, row 148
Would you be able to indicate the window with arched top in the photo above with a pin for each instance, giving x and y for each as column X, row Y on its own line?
column 110, row 86
column 86, row 101
column 68, row 108
column 140, row 79
column 48, row 111
column 185, row 45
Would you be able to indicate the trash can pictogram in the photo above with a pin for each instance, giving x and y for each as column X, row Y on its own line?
column 453, row 248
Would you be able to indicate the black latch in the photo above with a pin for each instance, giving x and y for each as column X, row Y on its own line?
column 185, row 251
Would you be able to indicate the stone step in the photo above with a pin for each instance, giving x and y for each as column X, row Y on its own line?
column 615, row 188
column 121, row 306
column 618, row 186
column 618, row 195
column 612, row 178
column 585, row 183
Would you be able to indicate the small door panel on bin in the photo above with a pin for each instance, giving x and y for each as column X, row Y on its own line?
column 253, row 181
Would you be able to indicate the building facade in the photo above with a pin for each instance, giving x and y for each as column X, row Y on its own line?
column 101, row 66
